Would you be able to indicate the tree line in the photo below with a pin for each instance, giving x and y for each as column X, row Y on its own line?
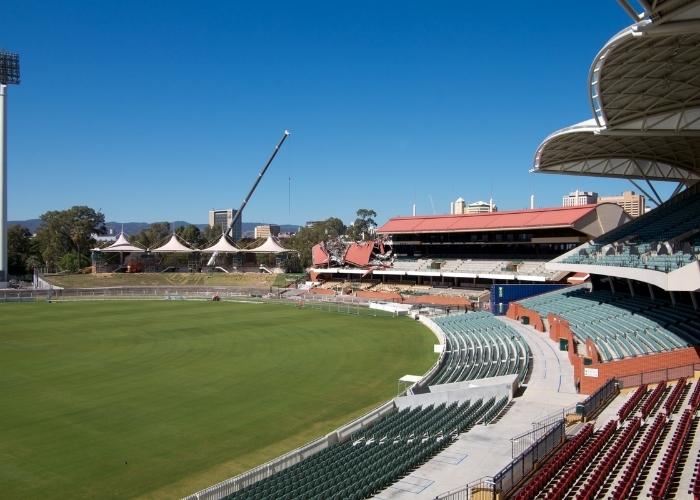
column 65, row 238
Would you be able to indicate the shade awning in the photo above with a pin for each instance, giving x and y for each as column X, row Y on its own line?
column 172, row 246
column 122, row 245
column 223, row 245
column 269, row 246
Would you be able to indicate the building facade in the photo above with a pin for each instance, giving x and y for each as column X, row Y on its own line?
column 265, row 230
column 578, row 198
column 481, row 207
column 223, row 219
column 633, row 204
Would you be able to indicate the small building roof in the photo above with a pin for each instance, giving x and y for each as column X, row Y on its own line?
column 223, row 245
column 122, row 245
column 173, row 245
column 319, row 254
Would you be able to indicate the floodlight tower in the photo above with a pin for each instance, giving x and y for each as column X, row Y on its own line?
column 9, row 75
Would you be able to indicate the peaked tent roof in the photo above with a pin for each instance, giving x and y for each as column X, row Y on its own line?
column 269, row 246
column 223, row 245
column 121, row 245
column 172, row 246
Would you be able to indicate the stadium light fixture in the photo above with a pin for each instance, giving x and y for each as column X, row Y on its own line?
column 9, row 75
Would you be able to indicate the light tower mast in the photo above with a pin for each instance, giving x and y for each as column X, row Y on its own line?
column 9, row 75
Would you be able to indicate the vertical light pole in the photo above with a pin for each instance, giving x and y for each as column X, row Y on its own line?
column 9, row 75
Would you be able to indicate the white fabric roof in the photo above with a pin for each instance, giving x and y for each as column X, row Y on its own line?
column 172, row 246
column 222, row 246
column 269, row 246
column 121, row 245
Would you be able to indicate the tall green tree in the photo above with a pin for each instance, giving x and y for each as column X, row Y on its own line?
column 153, row 235
column 68, row 231
column 191, row 234
column 21, row 252
column 363, row 225
column 211, row 233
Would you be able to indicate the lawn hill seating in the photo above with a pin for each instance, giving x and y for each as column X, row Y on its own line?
column 477, row 345
column 665, row 239
column 374, row 458
column 620, row 325
column 631, row 454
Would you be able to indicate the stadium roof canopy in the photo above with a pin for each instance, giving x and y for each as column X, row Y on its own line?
column 121, row 245
column 644, row 88
column 583, row 150
column 173, row 245
column 543, row 218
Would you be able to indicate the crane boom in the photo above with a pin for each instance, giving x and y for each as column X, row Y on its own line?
column 229, row 231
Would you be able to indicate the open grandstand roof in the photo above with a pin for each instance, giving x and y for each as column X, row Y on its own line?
column 494, row 221
column 644, row 88
column 647, row 78
column 583, row 150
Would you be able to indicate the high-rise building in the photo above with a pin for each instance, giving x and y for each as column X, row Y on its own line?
column 459, row 206
column 481, row 207
column 265, row 230
column 577, row 198
column 633, row 204
column 223, row 219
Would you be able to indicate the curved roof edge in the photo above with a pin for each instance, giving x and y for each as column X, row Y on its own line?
column 582, row 149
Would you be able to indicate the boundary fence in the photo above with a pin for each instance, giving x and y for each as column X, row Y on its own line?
column 656, row 376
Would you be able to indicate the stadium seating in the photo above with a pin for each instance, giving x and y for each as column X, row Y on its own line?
column 620, row 325
column 620, row 460
column 479, row 346
column 375, row 458
column 663, row 240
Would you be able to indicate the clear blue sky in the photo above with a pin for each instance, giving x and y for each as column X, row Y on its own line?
column 161, row 110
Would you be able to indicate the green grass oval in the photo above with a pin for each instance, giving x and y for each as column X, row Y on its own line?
column 160, row 399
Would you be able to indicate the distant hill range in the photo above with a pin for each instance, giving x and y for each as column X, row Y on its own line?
column 135, row 227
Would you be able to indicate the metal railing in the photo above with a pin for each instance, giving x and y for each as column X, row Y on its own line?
column 505, row 480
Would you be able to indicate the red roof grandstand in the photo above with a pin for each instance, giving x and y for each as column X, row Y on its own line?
column 319, row 254
column 494, row 221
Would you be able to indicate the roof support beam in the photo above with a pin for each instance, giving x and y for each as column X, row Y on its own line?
column 649, row 197
column 628, row 8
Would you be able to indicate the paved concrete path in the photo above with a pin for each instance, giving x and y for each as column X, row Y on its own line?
column 485, row 450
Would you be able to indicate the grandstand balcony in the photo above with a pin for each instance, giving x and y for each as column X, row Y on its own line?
column 660, row 248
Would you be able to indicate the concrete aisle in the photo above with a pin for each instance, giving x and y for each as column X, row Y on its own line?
column 485, row 450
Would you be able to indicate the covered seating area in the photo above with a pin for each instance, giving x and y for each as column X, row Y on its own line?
column 177, row 255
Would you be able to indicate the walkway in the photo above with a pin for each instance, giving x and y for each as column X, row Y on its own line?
column 485, row 450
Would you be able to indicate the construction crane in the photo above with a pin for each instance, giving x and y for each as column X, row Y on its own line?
column 229, row 231
column 237, row 216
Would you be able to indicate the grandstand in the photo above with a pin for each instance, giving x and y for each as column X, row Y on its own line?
column 473, row 249
column 374, row 458
column 480, row 346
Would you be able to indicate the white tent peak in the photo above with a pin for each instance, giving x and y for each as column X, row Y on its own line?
column 223, row 245
column 270, row 245
column 173, row 245
column 120, row 245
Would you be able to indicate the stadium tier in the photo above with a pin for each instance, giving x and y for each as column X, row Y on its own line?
column 634, row 455
column 374, row 458
column 619, row 325
column 477, row 345
column 665, row 239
